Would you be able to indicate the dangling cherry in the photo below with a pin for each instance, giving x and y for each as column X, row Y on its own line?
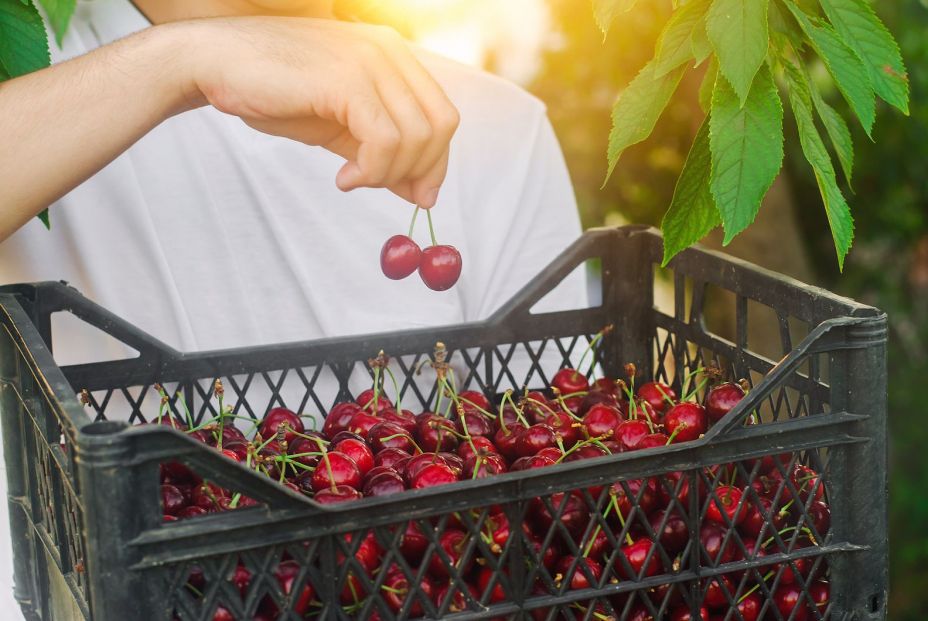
column 400, row 257
column 440, row 265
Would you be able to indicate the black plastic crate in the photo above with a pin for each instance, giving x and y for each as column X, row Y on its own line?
column 89, row 541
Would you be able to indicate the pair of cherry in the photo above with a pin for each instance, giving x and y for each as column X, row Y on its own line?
column 439, row 266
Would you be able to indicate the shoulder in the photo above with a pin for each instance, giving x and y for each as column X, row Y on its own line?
column 482, row 96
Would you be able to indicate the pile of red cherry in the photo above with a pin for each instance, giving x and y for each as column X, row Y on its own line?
column 439, row 265
column 371, row 447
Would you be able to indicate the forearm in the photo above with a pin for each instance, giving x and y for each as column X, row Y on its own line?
column 61, row 125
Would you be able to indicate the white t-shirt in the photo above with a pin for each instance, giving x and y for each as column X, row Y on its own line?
column 208, row 234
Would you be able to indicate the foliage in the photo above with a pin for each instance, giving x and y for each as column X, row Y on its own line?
column 749, row 43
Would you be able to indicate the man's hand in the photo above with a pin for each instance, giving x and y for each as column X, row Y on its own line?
column 353, row 89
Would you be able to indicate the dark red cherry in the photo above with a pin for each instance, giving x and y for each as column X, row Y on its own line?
column 731, row 506
column 790, row 602
column 636, row 553
column 384, row 484
column 385, row 435
column 685, row 422
column 393, row 458
column 585, row 574
column 657, row 394
column 399, row 257
column 340, row 493
column 359, row 452
column 721, row 399
column 478, row 445
column 440, row 267
column 281, row 416
column 533, row 439
column 172, row 500
column 339, row 417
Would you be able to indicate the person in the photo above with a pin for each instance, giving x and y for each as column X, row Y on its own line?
column 169, row 139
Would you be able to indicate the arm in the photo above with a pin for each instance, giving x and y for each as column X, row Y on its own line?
column 355, row 90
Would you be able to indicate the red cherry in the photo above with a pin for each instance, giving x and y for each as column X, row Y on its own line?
column 286, row 573
column 629, row 433
column 399, row 257
column 686, row 421
column 533, row 439
column 730, row 498
column 653, row 440
column 172, row 501
column 791, row 604
column 359, row 452
column 721, row 399
column 336, row 469
column 431, row 475
column 385, row 435
column 601, row 420
column 682, row 613
column 477, row 445
column 339, row 418
column 656, row 395
column 750, row 606
column 585, row 575
column 821, row 593
column 637, row 555
column 453, row 542
column 384, row 484
column 366, row 401
column 392, row 458
column 569, row 381
column 676, row 533
column 277, row 417
column 340, row 493
column 440, row 267
column 483, row 466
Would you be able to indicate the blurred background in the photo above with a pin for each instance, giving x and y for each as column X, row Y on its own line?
column 554, row 50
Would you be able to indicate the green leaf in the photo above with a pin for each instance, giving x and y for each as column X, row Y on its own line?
column 43, row 216
column 700, row 42
column 23, row 44
column 59, row 15
column 637, row 109
column 845, row 67
column 708, row 85
column 692, row 213
column 838, row 133
column 738, row 32
column 605, row 12
column 863, row 31
column 674, row 47
column 747, row 149
column 836, row 207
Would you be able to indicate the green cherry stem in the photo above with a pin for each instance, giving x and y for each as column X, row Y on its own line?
column 412, row 224
column 428, row 213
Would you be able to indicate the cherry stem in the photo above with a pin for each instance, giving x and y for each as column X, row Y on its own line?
column 235, row 498
column 412, row 224
column 674, row 434
column 375, row 402
column 751, row 590
column 684, row 390
column 518, row 411
column 615, row 505
column 428, row 212
column 183, row 403
column 396, row 389
column 486, row 413
column 592, row 346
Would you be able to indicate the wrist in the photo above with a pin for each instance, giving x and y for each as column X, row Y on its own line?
column 169, row 66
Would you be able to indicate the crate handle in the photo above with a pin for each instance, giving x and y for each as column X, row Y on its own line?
column 826, row 336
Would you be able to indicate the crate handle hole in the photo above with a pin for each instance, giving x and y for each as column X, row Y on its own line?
column 875, row 603
column 104, row 428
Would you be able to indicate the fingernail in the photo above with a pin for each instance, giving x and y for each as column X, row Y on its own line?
column 430, row 198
